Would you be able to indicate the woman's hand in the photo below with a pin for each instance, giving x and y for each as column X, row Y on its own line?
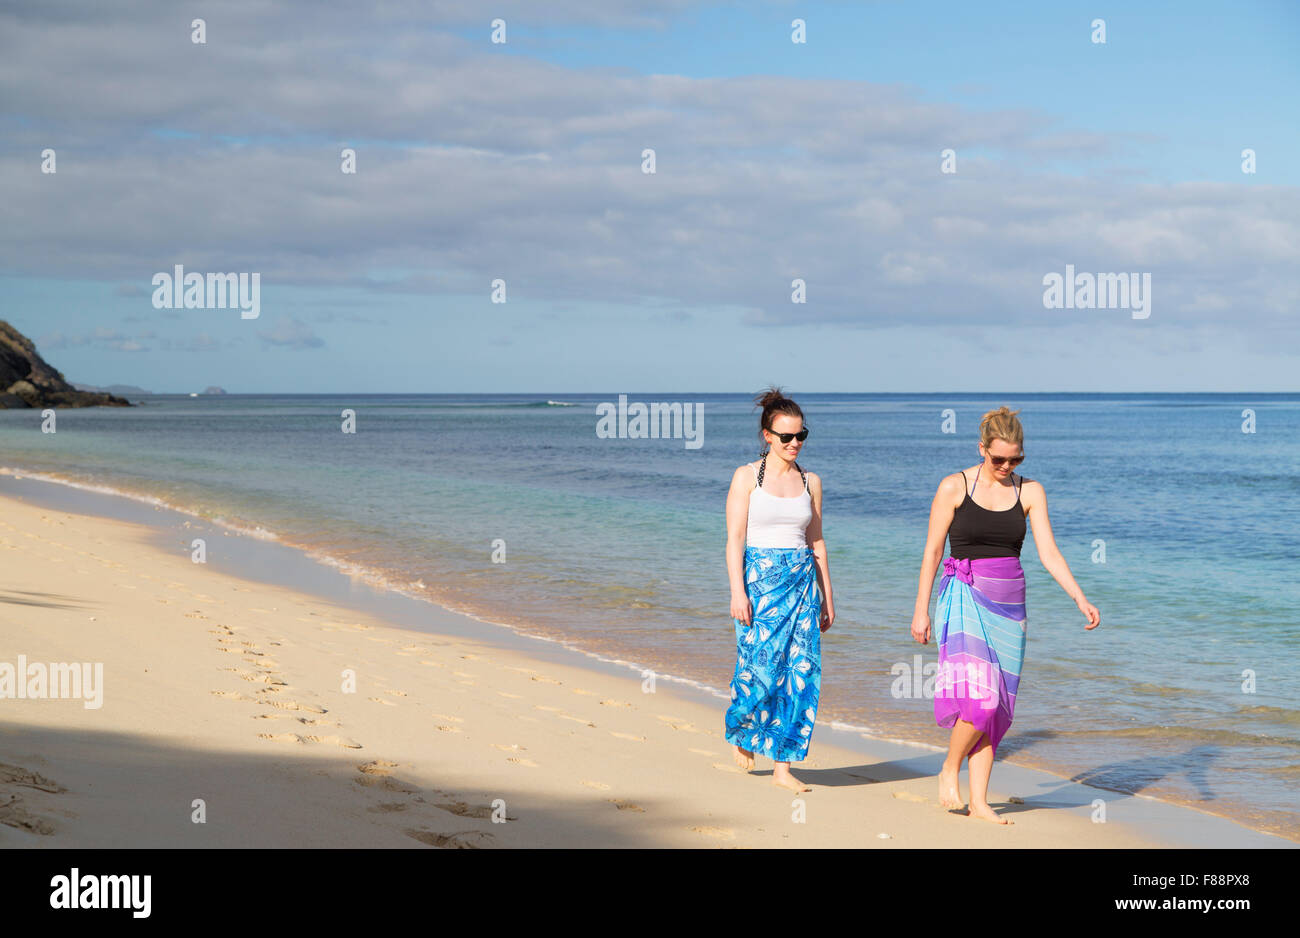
column 828, row 614
column 1090, row 612
column 740, row 608
column 921, row 627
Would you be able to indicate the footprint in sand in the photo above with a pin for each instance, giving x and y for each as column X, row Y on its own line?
column 722, row 833
column 511, row 696
column 909, row 796
column 231, row 695
column 381, row 700
column 527, row 763
column 599, row 786
column 432, row 664
column 545, row 680
column 678, row 723
column 448, row 728
column 295, row 738
column 638, row 739
column 466, row 840
column 546, row 708
column 264, row 677
column 13, row 813
column 397, row 693
column 615, row 703
column 625, row 805
column 291, row 705
column 305, row 721
column 461, row 809
column 447, row 718
column 388, row 807
column 386, row 784
column 522, row 670
column 512, row 747
column 377, row 767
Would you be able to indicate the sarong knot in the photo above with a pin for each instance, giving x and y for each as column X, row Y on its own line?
column 960, row 568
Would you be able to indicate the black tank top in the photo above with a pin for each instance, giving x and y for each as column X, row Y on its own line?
column 978, row 532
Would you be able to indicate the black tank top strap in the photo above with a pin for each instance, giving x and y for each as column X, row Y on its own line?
column 1022, row 479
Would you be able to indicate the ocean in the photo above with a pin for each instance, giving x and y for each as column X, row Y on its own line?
column 513, row 508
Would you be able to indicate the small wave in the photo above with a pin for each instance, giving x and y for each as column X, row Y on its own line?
column 1203, row 736
column 1276, row 714
column 238, row 527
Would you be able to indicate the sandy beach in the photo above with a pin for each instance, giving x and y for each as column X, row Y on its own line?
column 226, row 698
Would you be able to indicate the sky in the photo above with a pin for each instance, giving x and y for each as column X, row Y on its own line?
column 873, row 208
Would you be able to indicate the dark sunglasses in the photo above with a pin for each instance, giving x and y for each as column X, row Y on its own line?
column 787, row 437
column 999, row 460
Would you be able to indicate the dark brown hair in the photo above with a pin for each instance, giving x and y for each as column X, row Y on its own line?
column 774, row 402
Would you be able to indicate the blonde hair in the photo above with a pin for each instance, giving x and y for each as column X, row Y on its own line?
column 1001, row 424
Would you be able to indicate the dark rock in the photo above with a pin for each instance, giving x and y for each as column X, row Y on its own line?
column 27, row 380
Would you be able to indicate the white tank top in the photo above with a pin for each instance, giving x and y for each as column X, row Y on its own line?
column 777, row 521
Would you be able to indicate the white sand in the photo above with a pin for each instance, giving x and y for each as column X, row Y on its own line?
column 231, row 692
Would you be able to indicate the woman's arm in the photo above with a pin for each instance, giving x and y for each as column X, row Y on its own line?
column 813, row 535
column 742, row 481
column 946, row 498
column 1035, row 497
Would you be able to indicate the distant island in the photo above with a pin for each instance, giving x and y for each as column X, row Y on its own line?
column 123, row 390
column 214, row 390
column 27, row 380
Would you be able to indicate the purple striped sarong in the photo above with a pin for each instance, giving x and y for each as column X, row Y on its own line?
column 980, row 618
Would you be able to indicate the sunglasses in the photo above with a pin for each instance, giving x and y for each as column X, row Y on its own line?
column 1014, row 460
column 787, row 437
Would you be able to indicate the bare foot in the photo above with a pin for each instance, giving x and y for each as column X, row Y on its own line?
column 786, row 780
column 949, row 790
column 988, row 814
column 744, row 758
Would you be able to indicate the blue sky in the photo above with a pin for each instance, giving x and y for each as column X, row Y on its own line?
column 774, row 161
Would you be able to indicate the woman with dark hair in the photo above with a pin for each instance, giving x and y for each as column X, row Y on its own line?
column 981, row 605
column 776, row 561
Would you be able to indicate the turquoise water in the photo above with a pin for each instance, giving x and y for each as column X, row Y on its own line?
column 617, row 546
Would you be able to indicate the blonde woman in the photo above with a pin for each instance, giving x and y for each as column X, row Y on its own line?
column 776, row 560
column 981, row 607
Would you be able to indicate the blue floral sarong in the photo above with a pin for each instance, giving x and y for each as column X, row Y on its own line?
column 777, row 683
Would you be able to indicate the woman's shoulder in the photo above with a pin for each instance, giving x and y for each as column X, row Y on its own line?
column 747, row 472
column 958, row 480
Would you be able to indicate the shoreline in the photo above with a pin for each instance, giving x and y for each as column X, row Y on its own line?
column 152, row 536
